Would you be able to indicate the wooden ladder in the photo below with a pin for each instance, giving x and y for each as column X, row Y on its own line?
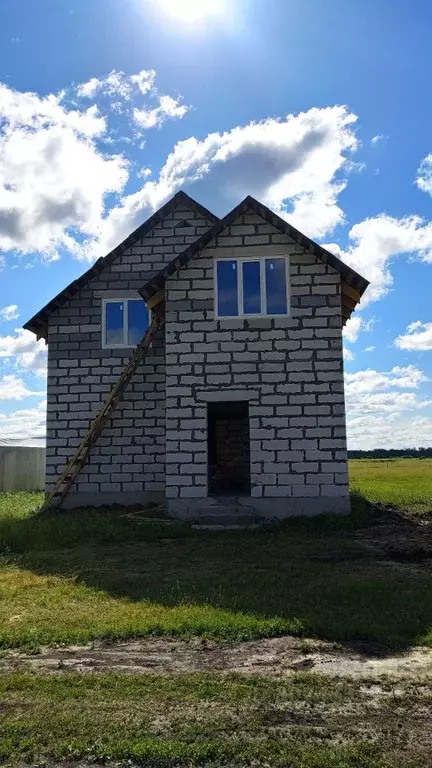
column 76, row 463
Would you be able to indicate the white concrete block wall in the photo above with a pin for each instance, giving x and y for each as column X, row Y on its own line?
column 289, row 369
column 128, row 461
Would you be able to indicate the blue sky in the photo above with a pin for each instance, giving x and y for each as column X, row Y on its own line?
column 107, row 107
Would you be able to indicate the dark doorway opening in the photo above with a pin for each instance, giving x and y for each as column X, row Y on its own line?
column 228, row 448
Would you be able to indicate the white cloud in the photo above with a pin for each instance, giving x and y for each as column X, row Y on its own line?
column 369, row 349
column 356, row 325
column 10, row 312
column 378, row 138
column 24, row 423
column 20, row 110
column 386, row 431
column 154, row 118
column 375, row 244
column 385, row 402
column 118, row 84
column 424, row 175
column 13, row 388
column 144, row 80
column 87, row 90
column 368, row 381
column 55, row 171
column 24, row 351
column 353, row 327
column 418, row 337
column 53, row 179
column 292, row 162
column 383, row 409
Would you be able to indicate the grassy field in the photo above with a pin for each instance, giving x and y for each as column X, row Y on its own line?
column 88, row 575
column 97, row 575
column 403, row 483
column 306, row 721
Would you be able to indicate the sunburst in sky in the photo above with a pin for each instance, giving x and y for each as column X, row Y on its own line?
column 191, row 11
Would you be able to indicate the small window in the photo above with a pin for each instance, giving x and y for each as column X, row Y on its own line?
column 248, row 287
column 227, row 288
column 124, row 322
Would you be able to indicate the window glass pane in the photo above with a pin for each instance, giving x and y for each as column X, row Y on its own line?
column 251, row 288
column 114, row 323
column 137, row 320
column 276, row 288
column 227, row 288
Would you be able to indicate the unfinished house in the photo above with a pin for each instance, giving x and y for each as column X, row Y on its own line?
column 200, row 362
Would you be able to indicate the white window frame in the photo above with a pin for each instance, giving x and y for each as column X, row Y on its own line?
column 118, row 300
column 261, row 260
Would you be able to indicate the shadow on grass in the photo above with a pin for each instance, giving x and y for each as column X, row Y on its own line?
column 312, row 576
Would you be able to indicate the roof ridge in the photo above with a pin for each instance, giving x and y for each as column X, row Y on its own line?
column 38, row 323
column 350, row 276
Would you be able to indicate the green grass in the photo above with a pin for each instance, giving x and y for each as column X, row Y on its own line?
column 90, row 575
column 403, row 483
column 306, row 721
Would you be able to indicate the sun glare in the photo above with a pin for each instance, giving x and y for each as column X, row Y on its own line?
column 191, row 10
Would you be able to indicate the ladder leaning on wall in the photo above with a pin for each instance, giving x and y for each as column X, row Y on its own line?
column 65, row 481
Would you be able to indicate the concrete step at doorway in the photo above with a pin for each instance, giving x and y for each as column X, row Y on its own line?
column 231, row 520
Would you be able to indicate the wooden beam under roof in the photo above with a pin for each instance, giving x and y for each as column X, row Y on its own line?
column 155, row 300
column 348, row 290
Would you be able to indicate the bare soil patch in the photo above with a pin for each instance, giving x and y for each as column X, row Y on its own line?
column 275, row 658
column 397, row 536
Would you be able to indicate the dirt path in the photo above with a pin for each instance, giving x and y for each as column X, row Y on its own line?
column 272, row 657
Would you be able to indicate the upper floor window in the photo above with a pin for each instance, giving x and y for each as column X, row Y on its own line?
column 124, row 322
column 252, row 287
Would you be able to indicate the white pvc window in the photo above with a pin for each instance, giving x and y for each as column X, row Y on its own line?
column 124, row 322
column 251, row 287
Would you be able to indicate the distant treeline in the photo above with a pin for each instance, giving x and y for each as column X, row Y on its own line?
column 392, row 453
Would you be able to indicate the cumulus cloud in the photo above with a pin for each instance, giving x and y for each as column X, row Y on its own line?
column 377, row 241
column 353, row 327
column 356, row 325
column 386, row 402
column 13, row 388
column 289, row 164
column 387, row 431
column 118, row 84
column 401, row 377
column 24, row 423
column 56, row 181
column 424, row 175
column 418, row 337
column 53, row 179
column 10, row 312
column 383, row 408
column 20, row 110
column 154, row 118
column 24, row 351
column 56, row 175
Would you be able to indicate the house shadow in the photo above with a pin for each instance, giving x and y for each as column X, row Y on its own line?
column 364, row 580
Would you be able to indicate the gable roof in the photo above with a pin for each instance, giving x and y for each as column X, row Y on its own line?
column 353, row 284
column 38, row 324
